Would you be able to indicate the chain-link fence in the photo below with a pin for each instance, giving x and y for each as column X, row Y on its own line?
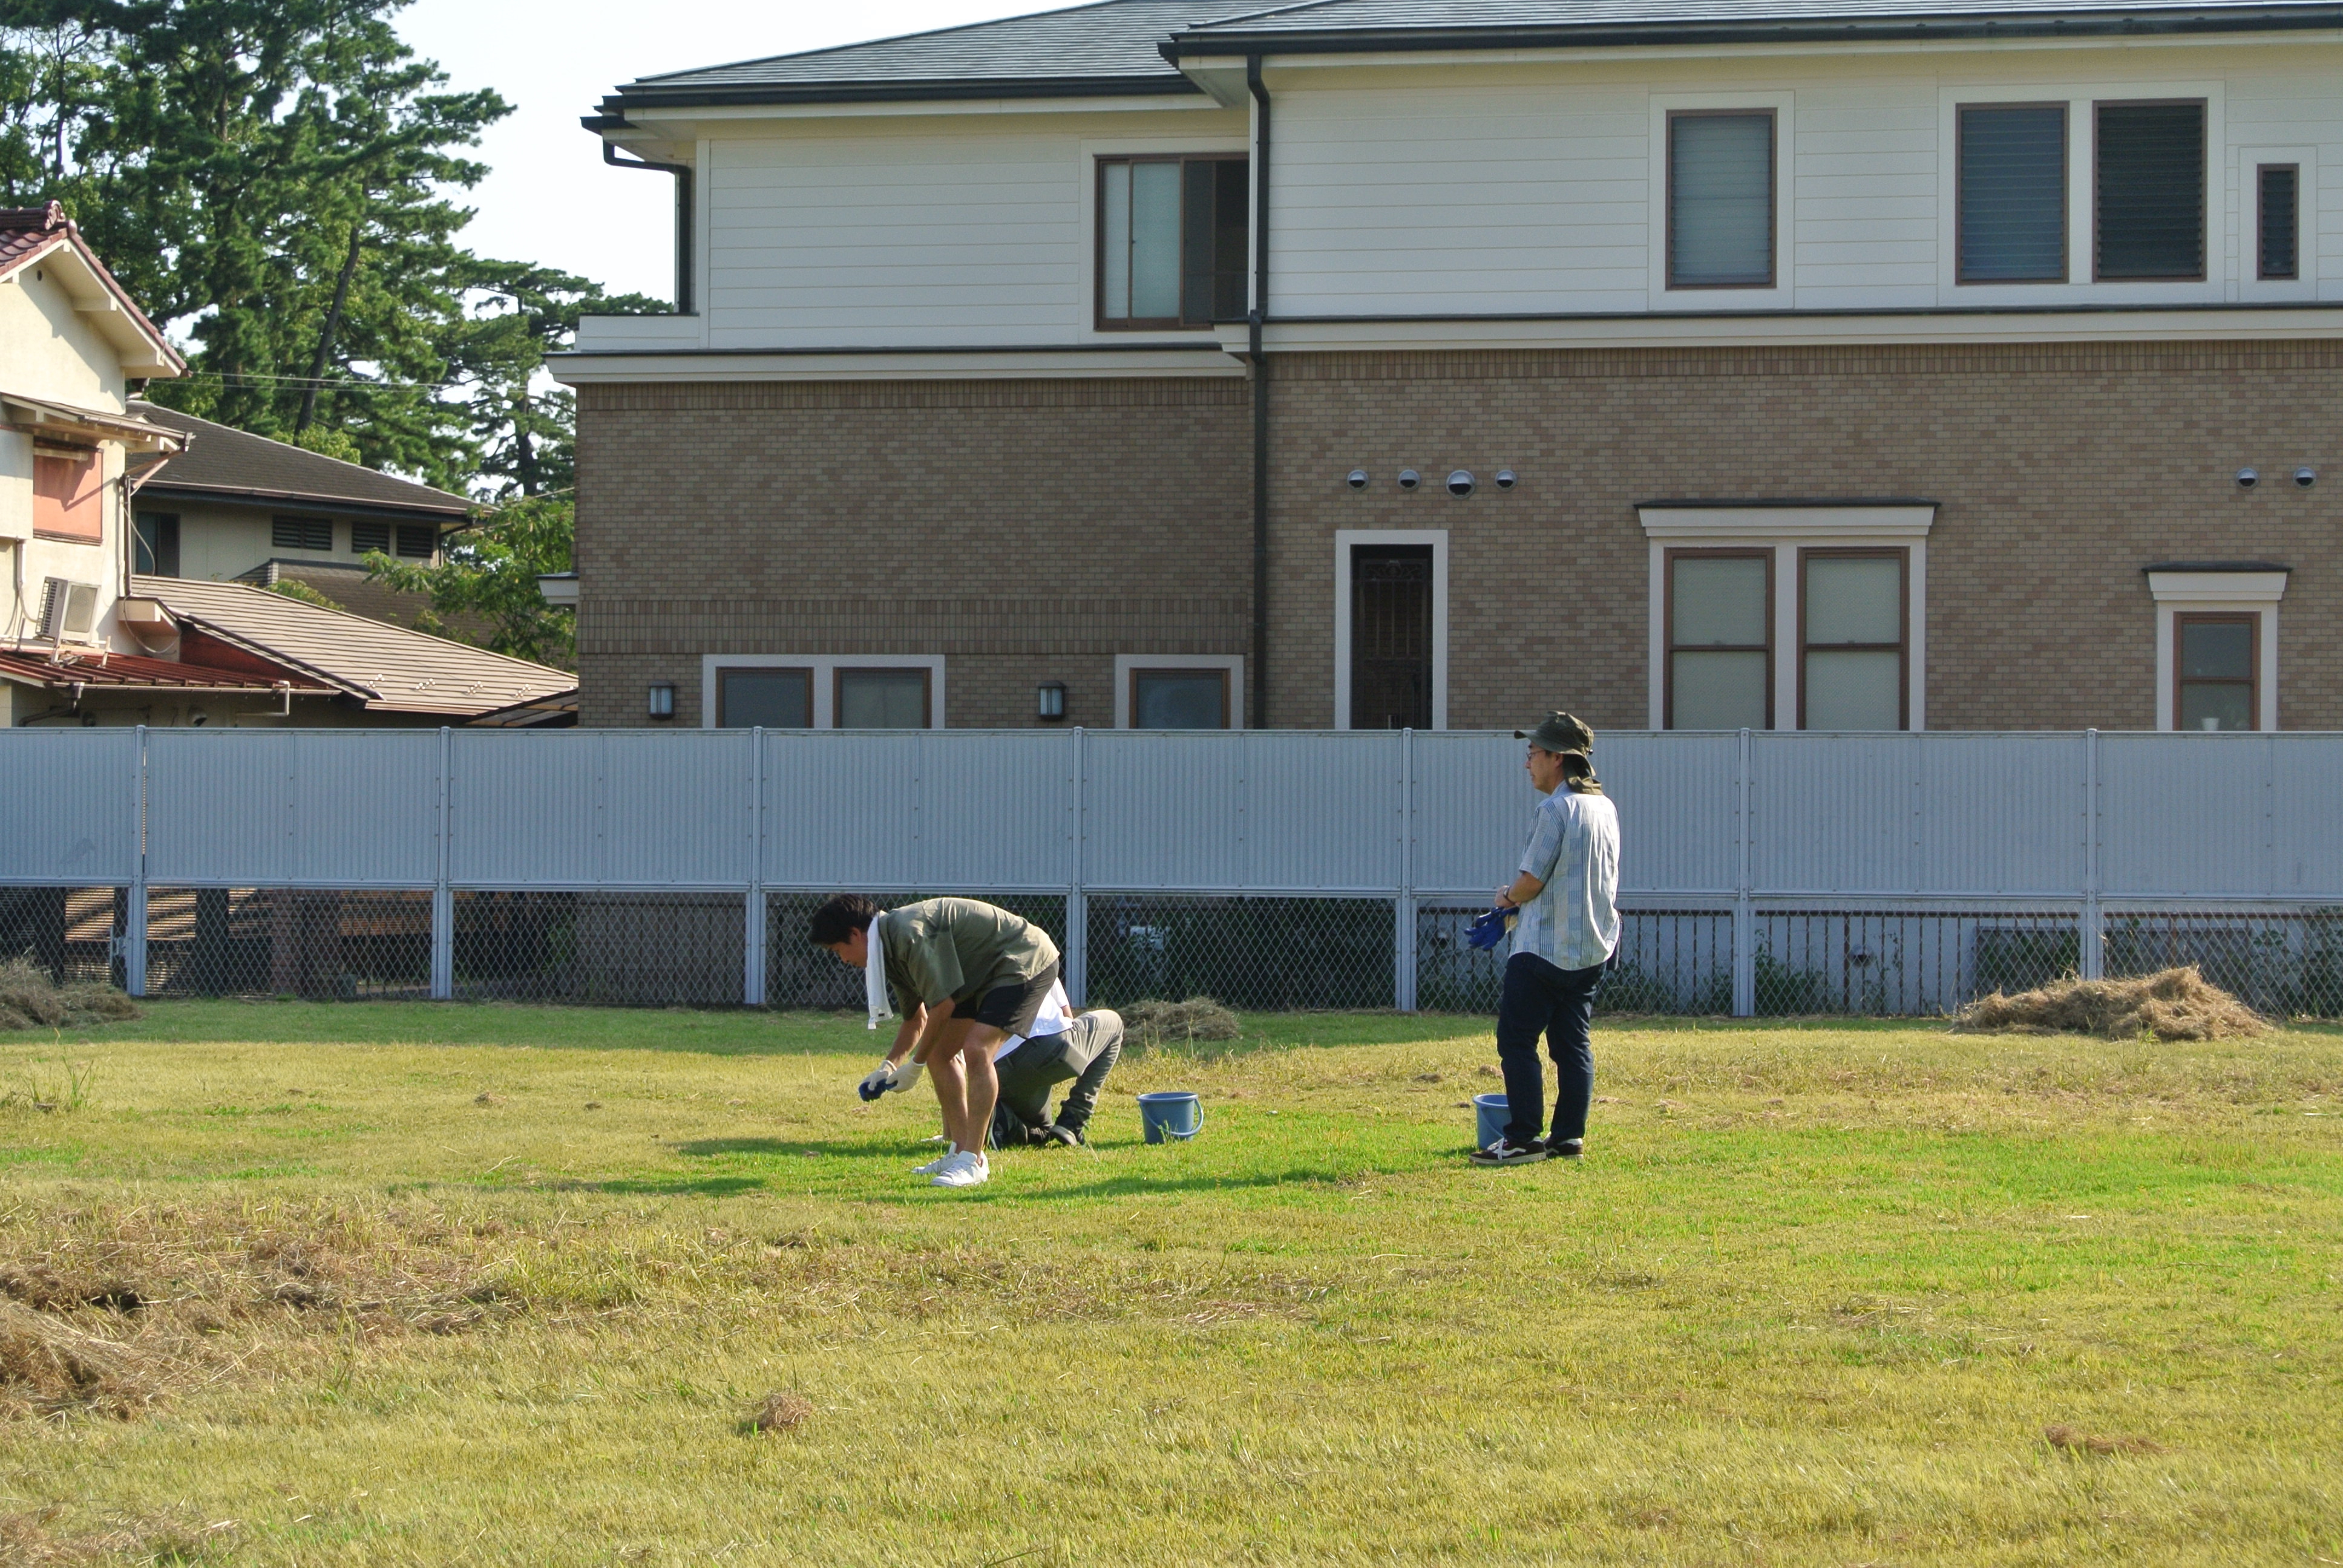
column 326, row 944
column 74, row 934
column 1902, row 962
column 2284, row 964
column 798, row 974
column 1261, row 954
column 1672, row 961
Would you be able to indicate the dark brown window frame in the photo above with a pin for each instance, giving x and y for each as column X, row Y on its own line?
column 1670, row 647
column 724, row 670
column 2204, row 186
column 299, row 519
column 1773, row 194
column 1219, row 672
column 1098, row 320
column 926, row 673
column 2259, row 275
column 2066, row 193
column 1903, row 646
column 2181, row 621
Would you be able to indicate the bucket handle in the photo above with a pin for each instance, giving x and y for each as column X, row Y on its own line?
column 1183, row 1136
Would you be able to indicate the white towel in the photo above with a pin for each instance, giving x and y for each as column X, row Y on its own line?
column 874, row 978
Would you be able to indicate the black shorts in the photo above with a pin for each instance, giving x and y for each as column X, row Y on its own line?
column 1012, row 1007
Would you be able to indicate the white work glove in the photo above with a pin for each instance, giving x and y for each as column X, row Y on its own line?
column 889, row 1077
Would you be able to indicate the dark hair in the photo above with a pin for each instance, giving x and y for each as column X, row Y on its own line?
column 841, row 916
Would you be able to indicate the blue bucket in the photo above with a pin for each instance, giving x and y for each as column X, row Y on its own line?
column 1494, row 1119
column 1173, row 1112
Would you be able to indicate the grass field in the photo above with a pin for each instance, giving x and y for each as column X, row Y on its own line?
column 409, row 1284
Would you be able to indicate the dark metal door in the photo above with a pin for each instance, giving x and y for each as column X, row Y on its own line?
column 1390, row 637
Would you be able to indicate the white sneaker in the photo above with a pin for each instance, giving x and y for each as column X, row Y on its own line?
column 963, row 1169
column 938, row 1163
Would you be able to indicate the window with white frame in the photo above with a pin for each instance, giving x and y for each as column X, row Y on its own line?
column 789, row 691
column 1800, row 615
column 1179, row 691
column 2217, row 644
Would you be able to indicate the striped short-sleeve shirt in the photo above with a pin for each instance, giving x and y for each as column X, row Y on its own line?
column 1574, row 849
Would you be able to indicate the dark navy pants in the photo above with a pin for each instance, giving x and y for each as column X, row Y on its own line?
column 1541, row 999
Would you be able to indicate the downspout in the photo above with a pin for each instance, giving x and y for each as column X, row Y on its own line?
column 1258, row 313
column 684, row 267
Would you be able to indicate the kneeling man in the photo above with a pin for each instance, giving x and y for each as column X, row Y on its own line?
column 1077, row 1049
column 970, row 976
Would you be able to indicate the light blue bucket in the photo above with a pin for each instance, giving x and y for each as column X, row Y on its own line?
column 1173, row 1112
column 1495, row 1117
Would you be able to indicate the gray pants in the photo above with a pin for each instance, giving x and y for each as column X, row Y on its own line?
column 1084, row 1054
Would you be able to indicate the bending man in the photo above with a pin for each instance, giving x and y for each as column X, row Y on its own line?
column 1564, row 900
column 969, row 975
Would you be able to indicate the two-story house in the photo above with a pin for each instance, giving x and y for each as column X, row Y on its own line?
column 1964, row 364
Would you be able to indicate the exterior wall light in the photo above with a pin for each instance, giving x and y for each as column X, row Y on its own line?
column 2247, row 479
column 1358, row 478
column 1049, row 700
column 662, row 703
column 1504, row 479
column 1409, row 478
column 2306, row 478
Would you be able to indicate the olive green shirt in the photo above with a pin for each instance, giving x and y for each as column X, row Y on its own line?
column 959, row 949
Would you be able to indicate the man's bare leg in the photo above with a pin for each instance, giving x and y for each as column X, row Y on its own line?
column 982, row 1084
column 952, row 1092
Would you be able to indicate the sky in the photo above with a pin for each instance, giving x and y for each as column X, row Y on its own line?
column 548, row 198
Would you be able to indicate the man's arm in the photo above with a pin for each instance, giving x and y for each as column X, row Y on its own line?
column 918, row 1035
column 1524, row 888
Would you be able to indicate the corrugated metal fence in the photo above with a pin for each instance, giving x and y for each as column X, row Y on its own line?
column 1766, row 872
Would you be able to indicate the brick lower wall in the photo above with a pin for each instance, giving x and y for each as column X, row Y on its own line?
column 1031, row 530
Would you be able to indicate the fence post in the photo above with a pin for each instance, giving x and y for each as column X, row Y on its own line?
column 134, row 918
column 753, row 939
column 1745, row 911
column 1403, row 908
column 2091, row 953
column 1077, row 975
column 443, row 902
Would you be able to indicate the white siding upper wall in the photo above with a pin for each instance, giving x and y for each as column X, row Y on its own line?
column 941, row 232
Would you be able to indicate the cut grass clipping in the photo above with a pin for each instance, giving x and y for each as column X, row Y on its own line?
column 29, row 999
column 2175, row 1004
column 1151, row 1022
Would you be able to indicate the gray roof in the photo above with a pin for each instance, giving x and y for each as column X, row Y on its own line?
column 386, row 667
column 1120, row 46
column 1104, row 48
column 224, row 463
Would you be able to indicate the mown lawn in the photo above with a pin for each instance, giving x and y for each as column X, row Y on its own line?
column 394, row 1284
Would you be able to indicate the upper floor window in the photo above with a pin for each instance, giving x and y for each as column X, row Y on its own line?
column 157, row 544
column 2011, row 220
column 1171, row 241
column 418, row 540
column 2278, row 207
column 1721, row 198
column 2149, row 192
column 69, row 494
column 301, row 533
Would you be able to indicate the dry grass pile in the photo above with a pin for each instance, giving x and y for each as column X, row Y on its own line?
column 1199, row 1017
column 29, row 999
column 2175, row 1004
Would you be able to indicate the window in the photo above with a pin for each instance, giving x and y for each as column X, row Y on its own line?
column 418, row 540
column 1721, row 198
column 367, row 537
column 772, row 699
column 68, row 494
column 2216, row 670
column 2279, row 243
column 2011, row 221
column 157, row 546
column 2150, row 192
column 1851, row 674
column 1178, row 699
column 1390, row 637
column 882, row 699
column 301, row 533
column 1720, row 639
column 1171, row 241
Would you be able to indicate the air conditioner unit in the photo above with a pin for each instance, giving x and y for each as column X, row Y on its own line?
column 68, row 610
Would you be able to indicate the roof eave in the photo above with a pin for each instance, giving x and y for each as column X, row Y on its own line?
column 450, row 515
column 1906, row 29
column 616, row 107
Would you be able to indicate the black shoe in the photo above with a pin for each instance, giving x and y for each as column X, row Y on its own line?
column 1501, row 1152
column 1059, row 1132
column 1566, row 1148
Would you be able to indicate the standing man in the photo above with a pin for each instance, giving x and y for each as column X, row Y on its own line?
column 1566, row 927
column 969, row 975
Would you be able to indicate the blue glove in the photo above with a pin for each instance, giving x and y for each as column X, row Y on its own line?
column 1487, row 930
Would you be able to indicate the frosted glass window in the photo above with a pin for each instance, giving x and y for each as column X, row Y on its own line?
column 1155, row 240
column 882, row 699
column 2013, row 193
column 1853, row 674
column 1720, row 659
column 1178, row 700
column 1114, row 242
column 1171, row 240
column 1721, row 200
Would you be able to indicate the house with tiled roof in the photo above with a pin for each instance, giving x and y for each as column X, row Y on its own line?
column 93, row 633
column 1689, row 364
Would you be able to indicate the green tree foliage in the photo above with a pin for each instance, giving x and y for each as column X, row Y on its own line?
column 489, row 571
